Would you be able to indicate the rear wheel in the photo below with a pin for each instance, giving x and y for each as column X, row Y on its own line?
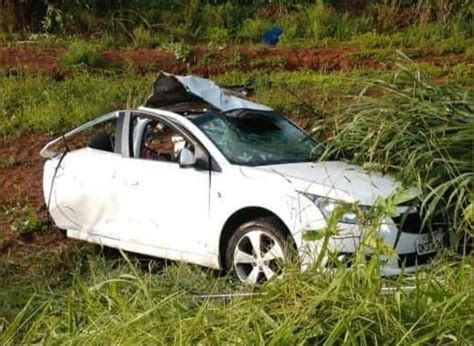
column 257, row 251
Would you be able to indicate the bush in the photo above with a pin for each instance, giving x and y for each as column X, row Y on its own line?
column 223, row 16
column 82, row 53
column 253, row 29
column 141, row 37
column 321, row 20
column 385, row 18
column 294, row 25
column 217, row 35
column 372, row 40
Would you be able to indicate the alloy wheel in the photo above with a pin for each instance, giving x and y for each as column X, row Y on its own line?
column 258, row 257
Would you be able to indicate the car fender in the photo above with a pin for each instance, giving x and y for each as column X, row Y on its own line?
column 266, row 191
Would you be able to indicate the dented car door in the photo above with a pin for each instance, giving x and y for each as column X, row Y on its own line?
column 78, row 183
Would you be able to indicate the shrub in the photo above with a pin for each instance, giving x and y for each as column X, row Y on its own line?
column 107, row 41
column 222, row 16
column 82, row 53
column 385, row 18
column 217, row 35
column 343, row 27
column 372, row 40
column 381, row 55
column 253, row 29
column 321, row 20
column 180, row 50
column 141, row 37
column 294, row 25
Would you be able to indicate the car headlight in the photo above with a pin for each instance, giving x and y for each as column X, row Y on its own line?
column 328, row 205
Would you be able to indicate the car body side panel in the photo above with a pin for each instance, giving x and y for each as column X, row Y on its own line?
column 83, row 197
column 164, row 205
column 232, row 191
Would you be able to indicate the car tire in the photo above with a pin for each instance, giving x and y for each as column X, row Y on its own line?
column 255, row 267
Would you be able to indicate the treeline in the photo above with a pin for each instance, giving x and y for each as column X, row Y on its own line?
column 231, row 19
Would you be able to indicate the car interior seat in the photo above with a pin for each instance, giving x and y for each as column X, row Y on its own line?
column 102, row 141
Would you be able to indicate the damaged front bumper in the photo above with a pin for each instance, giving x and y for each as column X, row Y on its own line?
column 412, row 251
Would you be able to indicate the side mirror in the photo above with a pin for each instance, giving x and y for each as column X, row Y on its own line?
column 186, row 158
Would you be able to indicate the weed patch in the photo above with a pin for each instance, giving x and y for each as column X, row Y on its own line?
column 82, row 54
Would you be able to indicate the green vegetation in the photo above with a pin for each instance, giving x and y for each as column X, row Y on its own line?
column 92, row 299
column 39, row 104
column 421, row 131
column 24, row 220
column 405, row 124
column 82, row 54
column 413, row 120
column 145, row 23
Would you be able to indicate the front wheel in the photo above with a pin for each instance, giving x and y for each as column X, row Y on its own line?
column 257, row 251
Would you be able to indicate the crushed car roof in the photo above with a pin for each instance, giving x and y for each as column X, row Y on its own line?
column 172, row 90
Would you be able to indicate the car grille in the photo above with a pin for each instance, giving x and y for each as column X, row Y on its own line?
column 413, row 259
column 412, row 222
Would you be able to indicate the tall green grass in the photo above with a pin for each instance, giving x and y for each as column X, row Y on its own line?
column 421, row 131
column 113, row 301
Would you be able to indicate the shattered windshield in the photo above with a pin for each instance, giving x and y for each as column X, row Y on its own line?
column 254, row 138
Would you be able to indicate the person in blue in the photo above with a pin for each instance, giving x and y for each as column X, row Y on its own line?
column 272, row 36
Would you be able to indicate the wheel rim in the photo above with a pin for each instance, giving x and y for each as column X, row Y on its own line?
column 258, row 257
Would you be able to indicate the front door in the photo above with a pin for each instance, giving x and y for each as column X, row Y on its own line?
column 165, row 207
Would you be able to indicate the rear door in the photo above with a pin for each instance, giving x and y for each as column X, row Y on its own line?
column 78, row 183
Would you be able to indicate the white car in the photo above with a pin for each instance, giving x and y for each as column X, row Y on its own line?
column 201, row 175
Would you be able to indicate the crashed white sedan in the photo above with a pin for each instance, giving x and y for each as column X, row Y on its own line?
column 202, row 175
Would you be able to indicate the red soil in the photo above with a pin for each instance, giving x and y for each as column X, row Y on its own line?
column 206, row 61
column 33, row 59
column 201, row 60
column 21, row 180
column 21, row 171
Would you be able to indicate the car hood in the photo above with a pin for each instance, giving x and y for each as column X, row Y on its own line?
column 339, row 180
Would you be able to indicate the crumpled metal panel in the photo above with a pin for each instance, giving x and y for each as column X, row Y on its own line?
column 172, row 89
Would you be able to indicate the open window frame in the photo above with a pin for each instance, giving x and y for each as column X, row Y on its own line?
column 48, row 152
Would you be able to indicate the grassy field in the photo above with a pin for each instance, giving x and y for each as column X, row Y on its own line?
column 57, row 291
column 389, row 96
